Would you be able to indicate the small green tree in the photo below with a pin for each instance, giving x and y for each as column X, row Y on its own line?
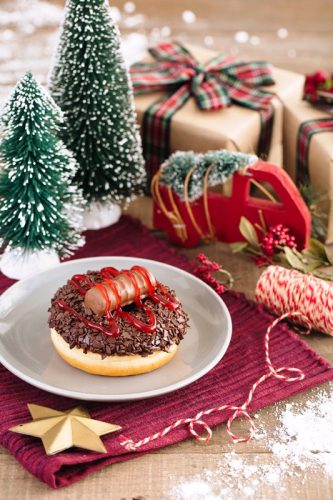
column 39, row 209
column 91, row 85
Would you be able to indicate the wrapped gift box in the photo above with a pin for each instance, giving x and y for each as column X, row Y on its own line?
column 320, row 154
column 235, row 128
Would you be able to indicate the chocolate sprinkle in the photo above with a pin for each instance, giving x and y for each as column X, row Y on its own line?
column 171, row 325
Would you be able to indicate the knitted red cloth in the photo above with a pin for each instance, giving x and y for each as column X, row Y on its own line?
column 229, row 382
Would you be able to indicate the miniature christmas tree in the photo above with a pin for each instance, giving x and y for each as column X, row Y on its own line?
column 91, row 85
column 39, row 209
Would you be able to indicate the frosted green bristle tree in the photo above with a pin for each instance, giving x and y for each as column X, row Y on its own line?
column 90, row 83
column 39, row 208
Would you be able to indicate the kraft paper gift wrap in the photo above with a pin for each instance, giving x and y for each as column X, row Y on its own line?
column 320, row 156
column 235, row 128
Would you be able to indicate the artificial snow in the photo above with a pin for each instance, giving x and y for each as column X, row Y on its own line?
column 241, row 37
column 306, row 436
column 282, row 33
column 27, row 16
column 129, row 7
column 189, row 17
column 301, row 445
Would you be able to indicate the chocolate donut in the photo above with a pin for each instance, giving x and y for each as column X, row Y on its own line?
column 136, row 333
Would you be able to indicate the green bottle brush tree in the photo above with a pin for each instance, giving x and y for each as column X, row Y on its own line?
column 40, row 211
column 90, row 83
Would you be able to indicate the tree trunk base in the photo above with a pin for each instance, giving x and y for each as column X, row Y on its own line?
column 97, row 215
column 18, row 264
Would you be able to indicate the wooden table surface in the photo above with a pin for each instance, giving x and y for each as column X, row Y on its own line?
column 151, row 477
column 307, row 47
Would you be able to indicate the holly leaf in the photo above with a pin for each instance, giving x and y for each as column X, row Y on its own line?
column 329, row 255
column 312, row 265
column 317, row 249
column 294, row 259
column 238, row 246
column 323, row 276
column 248, row 231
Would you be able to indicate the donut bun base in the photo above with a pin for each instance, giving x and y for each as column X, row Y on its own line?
column 111, row 366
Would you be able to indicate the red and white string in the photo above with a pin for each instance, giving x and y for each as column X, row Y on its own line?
column 302, row 298
column 286, row 290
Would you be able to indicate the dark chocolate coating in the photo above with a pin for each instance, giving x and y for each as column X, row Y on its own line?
column 172, row 326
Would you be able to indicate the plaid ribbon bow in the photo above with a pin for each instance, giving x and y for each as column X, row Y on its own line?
column 214, row 85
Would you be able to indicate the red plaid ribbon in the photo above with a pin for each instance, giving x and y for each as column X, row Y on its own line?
column 305, row 133
column 214, row 85
column 324, row 102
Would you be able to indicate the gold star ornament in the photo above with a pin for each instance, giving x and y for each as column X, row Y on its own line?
column 61, row 430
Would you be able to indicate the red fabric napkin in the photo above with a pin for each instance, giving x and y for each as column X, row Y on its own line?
column 229, row 382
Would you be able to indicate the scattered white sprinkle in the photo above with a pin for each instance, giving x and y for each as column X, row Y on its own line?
column 255, row 40
column 30, row 15
column 28, row 28
column 301, row 447
column 115, row 14
column 165, row 31
column 282, row 33
column 134, row 21
column 5, row 52
column 241, row 37
column 209, row 41
column 129, row 7
column 247, row 491
column 198, row 489
column 292, row 53
column 21, row 219
column 7, row 35
column 189, row 17
column 154, row 36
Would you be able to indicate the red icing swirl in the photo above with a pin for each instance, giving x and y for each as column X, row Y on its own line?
column 77, row 279
column 112, row 332
column 82, row 283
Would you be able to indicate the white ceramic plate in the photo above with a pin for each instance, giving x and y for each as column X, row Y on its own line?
column 26, row 348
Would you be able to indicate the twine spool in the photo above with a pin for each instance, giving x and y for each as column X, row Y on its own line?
column 310, row 299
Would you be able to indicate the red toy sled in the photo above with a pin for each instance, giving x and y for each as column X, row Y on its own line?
column 217, row 216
